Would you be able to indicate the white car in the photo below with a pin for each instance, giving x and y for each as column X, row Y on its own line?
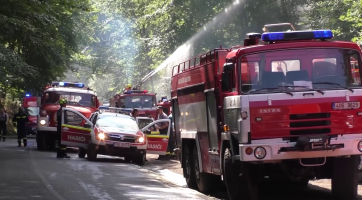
column 112, row 134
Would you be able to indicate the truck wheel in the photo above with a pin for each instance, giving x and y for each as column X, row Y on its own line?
column 140, row 159
column 345, row 177
column 189, row 168
column 91, row 152
column 238, row 186
column 82, row 152
column 128, row 158
column 203, row 180
column 40, row 141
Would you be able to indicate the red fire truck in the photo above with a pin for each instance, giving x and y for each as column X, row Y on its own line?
column 166, row 105
column 79, row 98
column 31, row 108
column 135, row 98
column 266, row 111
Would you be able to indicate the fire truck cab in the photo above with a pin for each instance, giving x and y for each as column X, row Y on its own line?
column 133, row 98
column 79, row 98
column 270, row 111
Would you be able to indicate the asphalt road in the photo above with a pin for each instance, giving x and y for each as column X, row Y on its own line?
column 26, row 173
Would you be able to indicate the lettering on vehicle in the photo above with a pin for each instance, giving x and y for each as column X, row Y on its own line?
column 76, row 138
column 184, row 80
column 270, row 110
column 315, row 140
column 154, row 146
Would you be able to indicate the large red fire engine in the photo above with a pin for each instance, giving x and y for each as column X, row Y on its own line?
column 79, row 98
column 135, row 98
column 268, row 111
column 31, row 108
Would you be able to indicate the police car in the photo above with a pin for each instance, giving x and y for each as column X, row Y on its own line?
column 114, row 134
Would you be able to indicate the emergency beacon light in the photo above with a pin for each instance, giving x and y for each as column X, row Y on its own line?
column 136, row 92
column 68, row 84
column 296, row 35
column 27, row 95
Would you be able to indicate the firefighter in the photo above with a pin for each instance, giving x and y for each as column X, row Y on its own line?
column 61, row 152
column 20, row 120
column 162, row 127
column 3, row 124
column 134, row 113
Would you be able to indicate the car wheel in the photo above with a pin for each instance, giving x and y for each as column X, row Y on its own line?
column 128, row 158
column 82, row 152
column 140, row 159
column 91, row 152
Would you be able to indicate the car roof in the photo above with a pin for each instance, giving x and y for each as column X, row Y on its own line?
column 113, row 114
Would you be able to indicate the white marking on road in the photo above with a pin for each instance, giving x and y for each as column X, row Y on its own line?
column 95, row 192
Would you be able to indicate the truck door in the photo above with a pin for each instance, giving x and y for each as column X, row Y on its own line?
column 157, row 141
column 76, row 128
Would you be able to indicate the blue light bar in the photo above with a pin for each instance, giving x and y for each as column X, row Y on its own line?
column 27, row 95
column 61, row 83
column 68, row 84
column 296, row 35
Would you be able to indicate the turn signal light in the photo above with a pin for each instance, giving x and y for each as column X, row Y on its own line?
column 249, row 151
column 226, row 128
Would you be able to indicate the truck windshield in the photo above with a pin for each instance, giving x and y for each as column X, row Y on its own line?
column 32, row 111
column 139, row 101
column 304, row 69
column 79, row 99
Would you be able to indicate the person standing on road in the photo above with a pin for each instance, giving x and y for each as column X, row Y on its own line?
column 3, row 124
column 162, row 128
column 61, row 153
column 20, row 120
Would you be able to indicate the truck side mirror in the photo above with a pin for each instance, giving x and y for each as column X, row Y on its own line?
column 226, row 77
column 38, row 101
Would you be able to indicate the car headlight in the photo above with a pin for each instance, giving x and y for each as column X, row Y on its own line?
column 101, row 136
column 141, row 139
column 42, row 122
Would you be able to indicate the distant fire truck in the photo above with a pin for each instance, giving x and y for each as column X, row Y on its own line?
column 79, row 98
column 31, row 108
column 270, row 111
column 166, row 105
column 134, row 98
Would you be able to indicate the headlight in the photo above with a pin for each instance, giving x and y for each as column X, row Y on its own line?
column 141, row 139
column 101, row 136
column 42, row 122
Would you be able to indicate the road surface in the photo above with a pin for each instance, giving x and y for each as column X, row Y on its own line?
column 26, row 173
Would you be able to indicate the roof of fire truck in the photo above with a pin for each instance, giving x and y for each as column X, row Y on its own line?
column 290, row 40
column 69, row 87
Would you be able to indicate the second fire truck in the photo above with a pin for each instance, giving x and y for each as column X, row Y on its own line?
column 79, row 98
column 284, row 110
column 142, row 100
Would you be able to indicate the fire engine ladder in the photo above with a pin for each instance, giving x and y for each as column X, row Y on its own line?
column 266, row 26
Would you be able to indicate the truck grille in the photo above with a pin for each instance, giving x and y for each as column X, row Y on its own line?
column 114, row 137
column 313, row 123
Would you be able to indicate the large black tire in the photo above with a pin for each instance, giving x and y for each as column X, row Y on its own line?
column 345, row 177
column 140, row 159
column 204, row 181
column 188, row 169
column 91, row 152
column 82, row 152
column 238, row 187
column 41, row 141
column 128, row 158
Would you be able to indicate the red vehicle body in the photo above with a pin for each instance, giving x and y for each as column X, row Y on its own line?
column 79, row 98
column 142, row 100
column 31, row 108
column 270, row 112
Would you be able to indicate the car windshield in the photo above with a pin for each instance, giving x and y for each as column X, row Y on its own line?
column 79, row 99
column 304, row 69
column 144, row 122
column 32, row 111
column 118, row 122
column 139, row 101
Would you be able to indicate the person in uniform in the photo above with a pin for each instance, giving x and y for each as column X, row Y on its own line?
column 3, row 124
column 20, row 120
column 162, row 128
column 61, row 153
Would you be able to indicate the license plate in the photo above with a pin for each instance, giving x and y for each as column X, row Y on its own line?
column 345, row 105
column 122, row 144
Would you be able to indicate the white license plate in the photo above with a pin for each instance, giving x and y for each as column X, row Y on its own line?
column 345, row 105
column 122, row 144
